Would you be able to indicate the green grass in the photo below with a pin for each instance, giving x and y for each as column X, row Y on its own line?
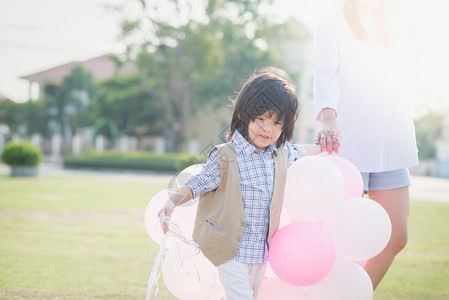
column 421, row 270
column 75, row 238
column 84, row 238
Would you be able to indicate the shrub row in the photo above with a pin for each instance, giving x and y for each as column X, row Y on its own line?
column 134, row 161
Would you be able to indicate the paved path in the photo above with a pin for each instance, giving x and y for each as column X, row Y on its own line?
column 56, row 169
column 422, row 189
column 429, row 189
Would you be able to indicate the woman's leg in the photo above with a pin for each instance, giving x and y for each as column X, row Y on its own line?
column 397, row 203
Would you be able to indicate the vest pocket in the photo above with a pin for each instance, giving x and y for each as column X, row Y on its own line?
column 215, row 226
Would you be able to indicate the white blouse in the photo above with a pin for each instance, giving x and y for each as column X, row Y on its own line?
column 368, row 86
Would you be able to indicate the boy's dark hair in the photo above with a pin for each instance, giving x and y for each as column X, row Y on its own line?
column 268, row 89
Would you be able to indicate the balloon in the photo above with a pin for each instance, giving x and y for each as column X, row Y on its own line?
column 152, row 223
column 182, row 177
column 274, row 288
column 346, row 281
column 182, row 216
column 189, row 275
column 360, row 229
column 361, row 263
column 313, row 188
column 286, row 218
column 353, row 182
column 269, row 273
column 301, row 253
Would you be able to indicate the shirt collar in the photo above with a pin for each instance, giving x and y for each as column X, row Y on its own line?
column 244, row 146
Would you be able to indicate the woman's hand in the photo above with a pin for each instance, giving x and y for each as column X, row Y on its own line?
column 328, row 137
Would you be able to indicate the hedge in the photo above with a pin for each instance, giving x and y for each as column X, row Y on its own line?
column 134, row 161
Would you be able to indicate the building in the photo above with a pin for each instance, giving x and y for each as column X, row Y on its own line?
column 101, row 67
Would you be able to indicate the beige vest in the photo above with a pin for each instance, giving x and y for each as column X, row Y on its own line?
column 220, row 218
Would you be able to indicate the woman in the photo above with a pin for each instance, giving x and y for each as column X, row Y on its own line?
column 361, row 90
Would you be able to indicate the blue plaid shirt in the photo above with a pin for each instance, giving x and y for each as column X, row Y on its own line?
column 256, row 171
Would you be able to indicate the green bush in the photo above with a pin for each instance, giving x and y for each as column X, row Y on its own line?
column 134, row 161
column 21, row 153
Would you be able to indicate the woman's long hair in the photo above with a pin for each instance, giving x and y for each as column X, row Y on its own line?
column 382, row 14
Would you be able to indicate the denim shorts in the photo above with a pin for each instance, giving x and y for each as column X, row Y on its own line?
column 385, row 180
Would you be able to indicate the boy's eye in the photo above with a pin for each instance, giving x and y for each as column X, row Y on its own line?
column 278, row 123
column 259, row 118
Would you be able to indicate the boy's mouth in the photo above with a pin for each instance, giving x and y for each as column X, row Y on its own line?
column 264, row 136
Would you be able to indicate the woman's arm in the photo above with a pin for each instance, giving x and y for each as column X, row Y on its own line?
column 326, row 87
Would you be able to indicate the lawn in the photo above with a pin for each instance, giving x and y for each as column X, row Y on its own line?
column 84, row 238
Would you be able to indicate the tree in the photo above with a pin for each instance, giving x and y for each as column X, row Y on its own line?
column 75, row 93
column 130, row 105
column 36, row 116
column 70, row 101
column 189, row 59
column 10, row 114
column 428, row 131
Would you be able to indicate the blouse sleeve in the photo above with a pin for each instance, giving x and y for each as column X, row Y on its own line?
column 209, row 177
column 325, row 83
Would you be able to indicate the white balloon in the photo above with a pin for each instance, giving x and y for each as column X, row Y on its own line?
column 275, row 288
column 182, row 177
column 314, row 187
column 346, row 281
column 360, row 229
column 152, row 222
column 189, row 275
column 183, row 216
column 269, row 273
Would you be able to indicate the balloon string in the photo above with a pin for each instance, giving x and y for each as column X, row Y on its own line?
column 175, row 231
column 156, row 272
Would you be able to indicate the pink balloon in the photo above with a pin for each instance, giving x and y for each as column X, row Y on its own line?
column 274, row 288
column 301, row 253
column 361, row 263
column 353, row 182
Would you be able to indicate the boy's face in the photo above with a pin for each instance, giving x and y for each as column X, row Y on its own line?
column 264, row 130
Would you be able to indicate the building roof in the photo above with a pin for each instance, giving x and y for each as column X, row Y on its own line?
column 101, row 67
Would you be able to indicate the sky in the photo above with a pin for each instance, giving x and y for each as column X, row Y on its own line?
column 39, row 34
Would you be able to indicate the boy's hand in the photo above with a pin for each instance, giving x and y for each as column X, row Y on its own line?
column 165, row 213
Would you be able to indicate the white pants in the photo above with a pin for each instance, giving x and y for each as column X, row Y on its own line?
column 241, row 281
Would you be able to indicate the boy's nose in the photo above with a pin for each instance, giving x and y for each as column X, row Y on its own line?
column 267, row 127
